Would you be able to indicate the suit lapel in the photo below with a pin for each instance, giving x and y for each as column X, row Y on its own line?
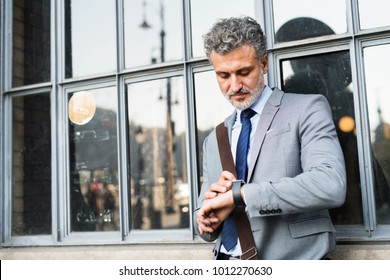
column 266, row 117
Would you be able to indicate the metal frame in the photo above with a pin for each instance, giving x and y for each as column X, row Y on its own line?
column 353, row 40
column 2, row 56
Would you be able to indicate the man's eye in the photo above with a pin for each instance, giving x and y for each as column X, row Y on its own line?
column 244, row 73
column 223, row 76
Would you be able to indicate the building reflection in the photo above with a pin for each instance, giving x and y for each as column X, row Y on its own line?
column 94, row 184
column 148, row 184
column 330, row 75
column 381, row 151
column 159, row 187
column 94, row 173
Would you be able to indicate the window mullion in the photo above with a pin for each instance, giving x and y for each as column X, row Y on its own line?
column 363, row 137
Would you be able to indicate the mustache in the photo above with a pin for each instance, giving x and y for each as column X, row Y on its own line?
column 243, row 90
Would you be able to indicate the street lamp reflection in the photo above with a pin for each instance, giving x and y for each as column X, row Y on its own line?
column 140, row 138
column 346, row 124
column 170, row 180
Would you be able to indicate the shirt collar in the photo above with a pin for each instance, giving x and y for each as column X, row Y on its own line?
column 259, row 105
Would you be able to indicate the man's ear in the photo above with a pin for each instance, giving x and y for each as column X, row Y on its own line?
column 264, row 63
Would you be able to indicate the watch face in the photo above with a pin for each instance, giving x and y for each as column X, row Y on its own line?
column 241, row 182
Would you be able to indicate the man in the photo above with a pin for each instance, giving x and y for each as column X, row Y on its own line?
column 295, row 167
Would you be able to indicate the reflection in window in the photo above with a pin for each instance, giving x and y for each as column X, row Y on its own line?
column 153, row 32
column 207, row 93
column 31, row 165
column 301, row 19
column 330, row 75
column 158, row 166
column 204, row 13
column 93, row 153
column 377, row 87
column 374, row 13
column 90, row 40
column 31, row 42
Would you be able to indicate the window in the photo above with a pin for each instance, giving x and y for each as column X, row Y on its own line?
column 93, row 159
column 31, row 42
column 207, row 92
column 300, row 19
column 330, row 75
column 373, row 13
column 375, row 58
column 90, row 46
column 153, row 32
column 31, row 165
column 322, row 64
column 157, row 155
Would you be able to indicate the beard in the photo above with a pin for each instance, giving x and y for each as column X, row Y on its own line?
column 248, row 101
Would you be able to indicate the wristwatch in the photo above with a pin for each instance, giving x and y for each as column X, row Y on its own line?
column 236, row 189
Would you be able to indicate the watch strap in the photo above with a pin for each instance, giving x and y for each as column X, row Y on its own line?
column 236, row 189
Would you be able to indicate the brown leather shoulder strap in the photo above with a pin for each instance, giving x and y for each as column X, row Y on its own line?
column 224, row 149
column 248, row 247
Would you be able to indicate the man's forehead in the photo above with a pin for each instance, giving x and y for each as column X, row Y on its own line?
column 238, row 58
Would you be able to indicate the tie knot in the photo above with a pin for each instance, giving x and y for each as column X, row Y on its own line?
column 247, row 114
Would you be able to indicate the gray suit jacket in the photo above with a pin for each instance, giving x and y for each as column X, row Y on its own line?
column 296, row 174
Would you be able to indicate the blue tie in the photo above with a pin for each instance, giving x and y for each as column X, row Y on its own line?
column 229, row 230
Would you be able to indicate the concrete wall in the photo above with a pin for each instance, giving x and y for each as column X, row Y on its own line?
column 167, row 252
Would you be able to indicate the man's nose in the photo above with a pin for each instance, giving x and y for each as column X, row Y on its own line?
column 236, row 84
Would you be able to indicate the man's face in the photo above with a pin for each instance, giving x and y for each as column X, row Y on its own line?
column 240, row 75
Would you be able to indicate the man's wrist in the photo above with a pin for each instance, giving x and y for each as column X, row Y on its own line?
column 236, row 190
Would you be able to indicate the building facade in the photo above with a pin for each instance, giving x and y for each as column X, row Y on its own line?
column 104, row 106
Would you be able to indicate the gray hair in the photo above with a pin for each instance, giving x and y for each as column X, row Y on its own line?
column 229, row 34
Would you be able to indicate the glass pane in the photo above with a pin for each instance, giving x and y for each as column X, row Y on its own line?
column 376, row 60
column 31, row 165
column 158, row 166
column 90, row 37
column 31, row 42
column 374, row 13
column 93, row 147
column 157, row 24
column 204, row 13
column 207, row 92
column 301, row 19
column 330, row 75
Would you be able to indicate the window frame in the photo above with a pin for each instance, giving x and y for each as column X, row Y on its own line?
column 376, row 231
column 147, row 236
column 44, row 239
column 354, row 40
column 64, row 222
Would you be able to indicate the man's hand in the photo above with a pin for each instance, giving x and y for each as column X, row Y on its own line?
column 217, row 205
column 223, row 185
column 214, row 211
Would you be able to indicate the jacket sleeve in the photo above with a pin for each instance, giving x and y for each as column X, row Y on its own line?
column 319, row 179
column 205, row 186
